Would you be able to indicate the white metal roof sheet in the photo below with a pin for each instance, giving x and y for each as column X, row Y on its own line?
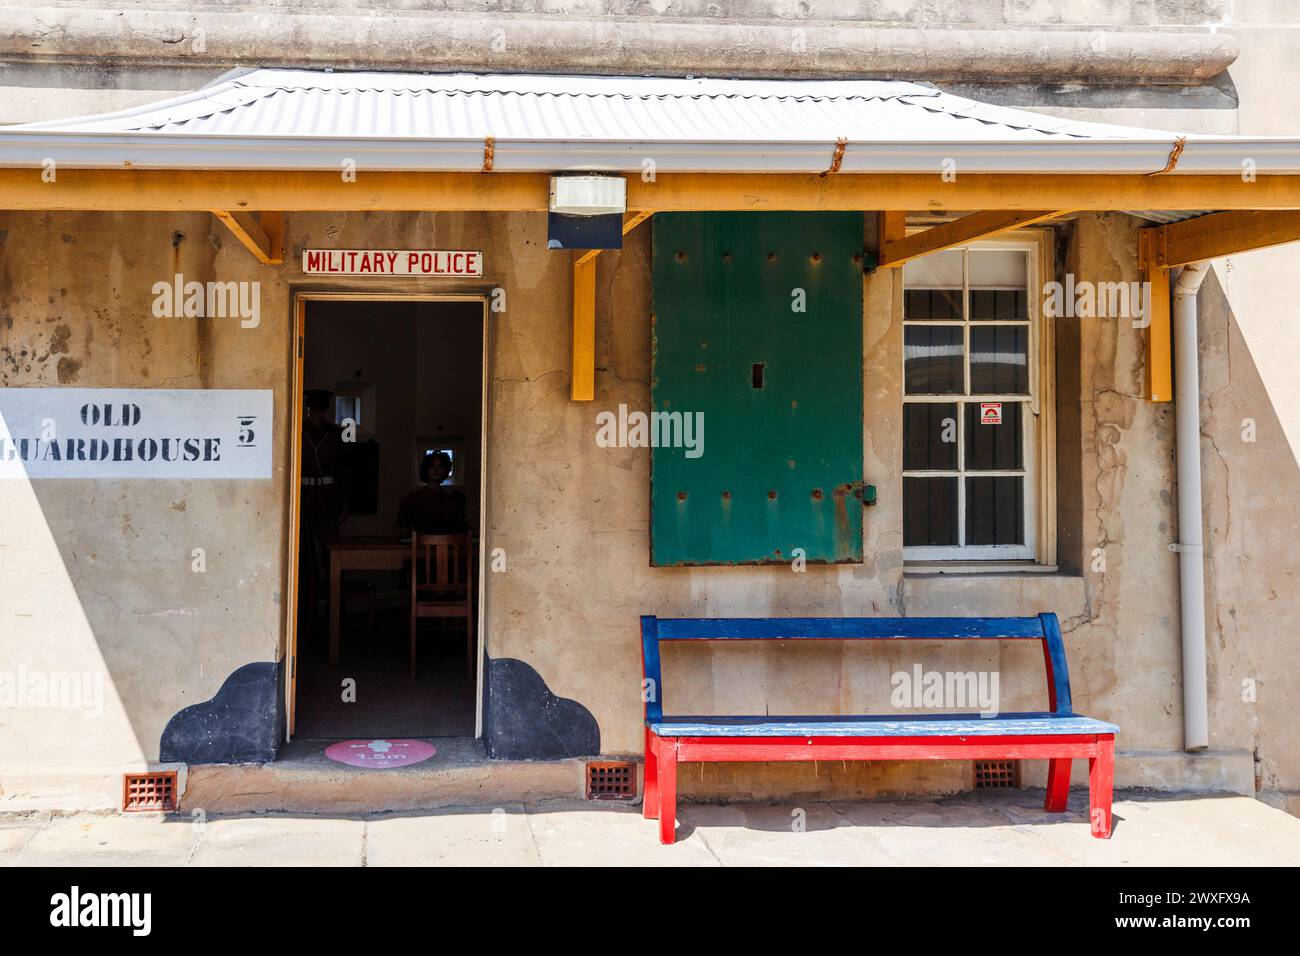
column 304, row 119
column 536, row 107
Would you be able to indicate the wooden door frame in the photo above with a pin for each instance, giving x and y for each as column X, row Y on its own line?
column 298, row 350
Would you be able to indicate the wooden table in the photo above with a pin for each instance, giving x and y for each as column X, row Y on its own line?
column 360, row 553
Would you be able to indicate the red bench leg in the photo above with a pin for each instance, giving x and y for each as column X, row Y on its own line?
column 650, row 798
column 1058, row 784
column 1101, row 781
column 667, row 773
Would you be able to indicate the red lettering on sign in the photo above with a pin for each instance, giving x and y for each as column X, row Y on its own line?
column 393, row 262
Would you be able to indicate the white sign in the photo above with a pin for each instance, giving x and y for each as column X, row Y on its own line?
column 392, row 262
column 180, row 433
column 990, row 413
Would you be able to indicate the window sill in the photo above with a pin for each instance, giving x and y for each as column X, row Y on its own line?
column 978, row 588
column 931, row 568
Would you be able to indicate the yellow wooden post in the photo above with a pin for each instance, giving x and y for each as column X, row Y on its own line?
column 582, row 386
column 583, row 382
column 891, row 226
column 1158, row 333
column 273, row 225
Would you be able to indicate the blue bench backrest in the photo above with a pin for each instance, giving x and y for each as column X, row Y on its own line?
column 1044, row 627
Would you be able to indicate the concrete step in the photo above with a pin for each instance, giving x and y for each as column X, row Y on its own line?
column 304, row 780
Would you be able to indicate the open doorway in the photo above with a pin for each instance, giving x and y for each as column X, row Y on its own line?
column 388, row 509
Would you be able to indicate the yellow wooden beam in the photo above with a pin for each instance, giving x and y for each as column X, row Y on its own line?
column 633, row 219
column 1158, row 334
column 978, row 225
column 903, row 192
column 582, row 385
column 1161, row 248
column 844, row 191
column 630, row 221
column 1222, row 234
column 201, row 190
column 262, row 236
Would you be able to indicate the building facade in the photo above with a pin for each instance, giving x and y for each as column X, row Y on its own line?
column 101, row 575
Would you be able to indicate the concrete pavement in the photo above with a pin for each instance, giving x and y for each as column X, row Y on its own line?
column 990, row 829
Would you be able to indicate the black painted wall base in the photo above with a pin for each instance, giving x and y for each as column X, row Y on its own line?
column 525, row 721
column 244, row 720
column 242, row 723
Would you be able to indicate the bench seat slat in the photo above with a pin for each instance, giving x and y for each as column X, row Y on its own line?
column 848, row 628
column 936, row 725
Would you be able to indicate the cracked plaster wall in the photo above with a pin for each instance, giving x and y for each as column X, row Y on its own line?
column 102, row 571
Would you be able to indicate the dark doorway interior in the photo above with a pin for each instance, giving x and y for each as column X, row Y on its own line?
column 404, row 405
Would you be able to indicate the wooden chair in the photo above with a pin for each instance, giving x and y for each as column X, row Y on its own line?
column 441, row 585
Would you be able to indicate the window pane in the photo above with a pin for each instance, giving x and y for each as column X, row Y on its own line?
column 995, row 510
column 932, row 304
column 998, row 284
column 998, row 268
column 937, row 270
column 932, row 360
column 994, row 447
column 929, row 511
column 929, row 436
column 1003, row 305
column 999, row 360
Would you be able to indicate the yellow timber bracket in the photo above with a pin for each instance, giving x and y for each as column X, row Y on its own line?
column 262, row 235
column 896, row 247
column 582, row 386
column 1222, row 234
column 1161, row 248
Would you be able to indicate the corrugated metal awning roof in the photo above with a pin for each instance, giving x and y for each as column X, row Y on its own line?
column 516, row 107
column 1165, row 217
column 302, row 119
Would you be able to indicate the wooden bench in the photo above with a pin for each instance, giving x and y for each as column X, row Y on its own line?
column 1057, row 735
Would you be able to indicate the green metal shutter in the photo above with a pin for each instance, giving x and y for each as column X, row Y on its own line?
column 780, row 390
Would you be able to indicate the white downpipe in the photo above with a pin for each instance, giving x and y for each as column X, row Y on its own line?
column 1190, row 548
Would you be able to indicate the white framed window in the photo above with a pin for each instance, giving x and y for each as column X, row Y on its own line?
column 347, row 407
column 973, row 435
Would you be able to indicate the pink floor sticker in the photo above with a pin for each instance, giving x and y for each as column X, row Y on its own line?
column 380, row 754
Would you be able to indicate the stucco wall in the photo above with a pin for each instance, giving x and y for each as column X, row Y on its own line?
column 98, row 575
column 592, row 515
column 102, row 571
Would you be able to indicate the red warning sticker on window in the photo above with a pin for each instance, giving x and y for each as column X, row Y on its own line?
column 990, row 413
